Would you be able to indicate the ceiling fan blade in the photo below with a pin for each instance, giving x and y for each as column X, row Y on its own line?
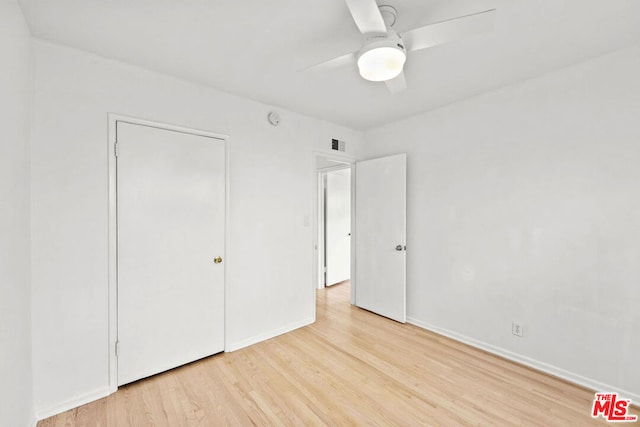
column 450, row 30
column 348, row 59
column 396, row 84
column 367, row 16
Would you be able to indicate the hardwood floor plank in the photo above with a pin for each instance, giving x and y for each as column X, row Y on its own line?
column 351, row 367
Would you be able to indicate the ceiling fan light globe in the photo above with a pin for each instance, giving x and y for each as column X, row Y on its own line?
column 380, row 64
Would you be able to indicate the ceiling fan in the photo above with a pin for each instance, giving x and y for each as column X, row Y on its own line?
column 384, row 52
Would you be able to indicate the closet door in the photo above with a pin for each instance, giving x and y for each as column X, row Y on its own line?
column 171, row 222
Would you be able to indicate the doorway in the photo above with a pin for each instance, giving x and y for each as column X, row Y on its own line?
column 377, row 272
column 334, row 220
column 335, row 224
column 167, row 217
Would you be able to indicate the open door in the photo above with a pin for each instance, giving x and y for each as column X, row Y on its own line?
column 338, row 226
column 380, row 236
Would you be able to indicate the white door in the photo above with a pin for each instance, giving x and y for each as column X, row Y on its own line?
column 338, row 226
column 380, row 236
column 171, row 216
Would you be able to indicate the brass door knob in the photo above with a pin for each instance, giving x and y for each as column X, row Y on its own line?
column 217, row 260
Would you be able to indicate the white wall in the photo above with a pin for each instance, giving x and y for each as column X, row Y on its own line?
column 524, row 204
column 269, row 254
column 16, row 403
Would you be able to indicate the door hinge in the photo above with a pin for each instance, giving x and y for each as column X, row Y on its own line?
column 117, row 348
column 115, row 149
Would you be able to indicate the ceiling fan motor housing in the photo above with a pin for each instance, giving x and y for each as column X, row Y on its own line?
column 382, row 57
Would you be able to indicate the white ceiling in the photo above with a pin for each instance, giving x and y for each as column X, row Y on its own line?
column 256, row 48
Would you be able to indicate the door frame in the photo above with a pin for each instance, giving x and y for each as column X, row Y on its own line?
column 113, row 120
column 349, row 162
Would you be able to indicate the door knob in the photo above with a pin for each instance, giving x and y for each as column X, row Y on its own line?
column 217, row 260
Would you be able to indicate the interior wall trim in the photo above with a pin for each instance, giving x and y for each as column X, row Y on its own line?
column 572, row 377
column 237, row 345
column 77, row 401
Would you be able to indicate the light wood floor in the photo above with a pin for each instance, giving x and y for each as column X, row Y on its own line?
column 350, row 368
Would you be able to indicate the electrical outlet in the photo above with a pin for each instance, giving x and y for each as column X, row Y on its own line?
column 516, row 329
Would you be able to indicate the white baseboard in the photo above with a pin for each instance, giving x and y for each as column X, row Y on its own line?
column 43, row 413
column 72, row 403
column 267, row 335
column 589, row 383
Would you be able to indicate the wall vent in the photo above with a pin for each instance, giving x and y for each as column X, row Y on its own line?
column 337, row 145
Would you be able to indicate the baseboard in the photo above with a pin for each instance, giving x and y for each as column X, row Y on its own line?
column 105, row 391
column 41, row 414
column 589, row 383
column 267, row 335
